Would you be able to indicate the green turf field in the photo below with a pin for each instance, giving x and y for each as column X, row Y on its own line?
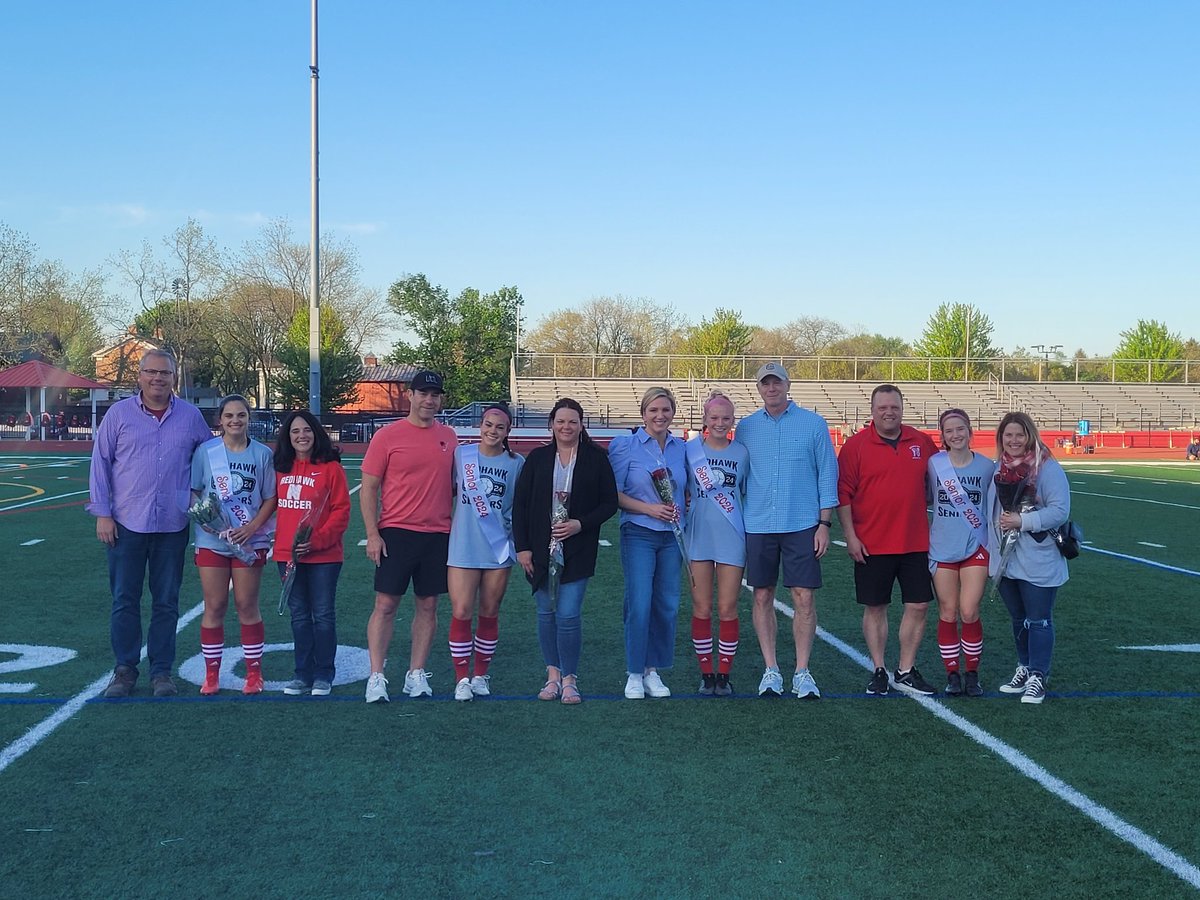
column 1091, row 794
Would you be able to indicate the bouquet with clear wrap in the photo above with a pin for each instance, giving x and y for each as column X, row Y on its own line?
column 209, row 514
column 558, row 515
column 665, row 488
column 308, row 522
column 1016, row 489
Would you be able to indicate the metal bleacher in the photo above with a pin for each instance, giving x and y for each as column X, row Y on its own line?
column 1108, row 406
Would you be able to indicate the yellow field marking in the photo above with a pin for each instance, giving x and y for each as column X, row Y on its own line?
column 35, row 492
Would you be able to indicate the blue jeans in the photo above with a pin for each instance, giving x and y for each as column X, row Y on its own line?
column 160, row 553
column 1032, row 611
column 560, row 628
column 652, row 565
column 314, row 620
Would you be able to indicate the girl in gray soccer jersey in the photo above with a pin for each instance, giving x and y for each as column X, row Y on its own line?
column 481, row 548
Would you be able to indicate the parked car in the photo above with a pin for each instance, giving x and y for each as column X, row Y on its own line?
column 264, row 424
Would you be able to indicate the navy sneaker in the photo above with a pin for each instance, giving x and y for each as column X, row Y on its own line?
column 954, row 684
column 878, row 685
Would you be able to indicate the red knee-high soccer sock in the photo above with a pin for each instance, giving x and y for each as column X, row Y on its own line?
column 252, row 645
column 972, row 643
column 727, row 644
column 948, row 644
column 702, row 643
column 212, row 642
column 487, row 634
column 460, row 647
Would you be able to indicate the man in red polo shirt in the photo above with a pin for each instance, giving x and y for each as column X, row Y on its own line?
column 882, row 497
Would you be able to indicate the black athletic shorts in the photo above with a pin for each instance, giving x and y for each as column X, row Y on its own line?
column 873, row 579
column 416, row 556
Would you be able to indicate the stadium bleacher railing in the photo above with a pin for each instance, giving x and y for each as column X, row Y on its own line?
column 528, row 364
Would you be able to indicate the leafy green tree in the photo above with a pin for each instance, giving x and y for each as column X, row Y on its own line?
column 186, row 329
column 722, row 335
column 946, row 337
column 869, row 357
column 469, row 339
column 1151, row 342
column 340, row 365
column 46, row 310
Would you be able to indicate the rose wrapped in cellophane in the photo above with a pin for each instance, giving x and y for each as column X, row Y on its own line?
column 209, row 514
column 665, row 488
column 558, row 515
column 304, row 530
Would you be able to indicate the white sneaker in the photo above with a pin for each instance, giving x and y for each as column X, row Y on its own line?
column 481, row 685
column 635, row 688
column 771, row 684
column 653, row 685
column 804, row 685
column 462, row 690
column 416, row 683
column 377, row 688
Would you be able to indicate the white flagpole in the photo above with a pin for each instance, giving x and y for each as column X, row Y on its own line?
column 314, row 298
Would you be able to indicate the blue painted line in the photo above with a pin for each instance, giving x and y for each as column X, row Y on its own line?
column 608, row 698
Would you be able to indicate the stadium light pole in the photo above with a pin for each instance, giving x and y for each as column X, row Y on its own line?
column 314, row 274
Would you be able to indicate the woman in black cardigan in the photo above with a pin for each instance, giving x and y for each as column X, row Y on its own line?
column 571, row 468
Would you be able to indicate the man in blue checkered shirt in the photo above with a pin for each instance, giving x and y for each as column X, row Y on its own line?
column 791, row 494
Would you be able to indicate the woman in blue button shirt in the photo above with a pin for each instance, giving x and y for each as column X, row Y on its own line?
column 650, row 553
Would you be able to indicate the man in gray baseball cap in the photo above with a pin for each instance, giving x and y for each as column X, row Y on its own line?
column 791, row 493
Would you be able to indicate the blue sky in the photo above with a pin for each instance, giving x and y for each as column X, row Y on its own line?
column 860, row 161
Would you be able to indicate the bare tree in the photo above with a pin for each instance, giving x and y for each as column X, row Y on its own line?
column 276, row 259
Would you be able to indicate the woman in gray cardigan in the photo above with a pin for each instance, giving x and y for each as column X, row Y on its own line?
column 1030, row 496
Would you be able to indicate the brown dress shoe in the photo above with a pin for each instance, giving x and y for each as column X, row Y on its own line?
column 121, row 685
column 164, row 686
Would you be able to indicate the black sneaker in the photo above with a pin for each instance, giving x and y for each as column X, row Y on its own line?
column 121, row 685
column 912, row 682
column 708, row 684
column 724, row 687
column 954, row 685
column 878, row 685
column 972, row 687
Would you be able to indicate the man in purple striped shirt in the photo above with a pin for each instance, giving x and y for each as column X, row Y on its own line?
column 141, row 465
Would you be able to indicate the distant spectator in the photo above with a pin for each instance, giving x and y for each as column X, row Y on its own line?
column 1193, row 450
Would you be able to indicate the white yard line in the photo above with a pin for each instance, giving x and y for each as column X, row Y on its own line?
column 42, row 499
column 47, row 726
column 1136, row 500
column 1101, row 815
column 1142, row 559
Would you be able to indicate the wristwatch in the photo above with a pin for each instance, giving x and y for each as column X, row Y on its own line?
column 823, row 522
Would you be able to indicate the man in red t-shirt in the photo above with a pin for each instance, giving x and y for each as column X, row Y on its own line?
column 882, row 497
column 409, row 467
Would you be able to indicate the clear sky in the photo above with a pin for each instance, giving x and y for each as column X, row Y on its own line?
column 860, row 161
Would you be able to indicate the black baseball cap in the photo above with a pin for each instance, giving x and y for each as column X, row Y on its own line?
column 427, row 380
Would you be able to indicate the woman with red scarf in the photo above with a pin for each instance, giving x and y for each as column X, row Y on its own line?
column 1030, row 497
